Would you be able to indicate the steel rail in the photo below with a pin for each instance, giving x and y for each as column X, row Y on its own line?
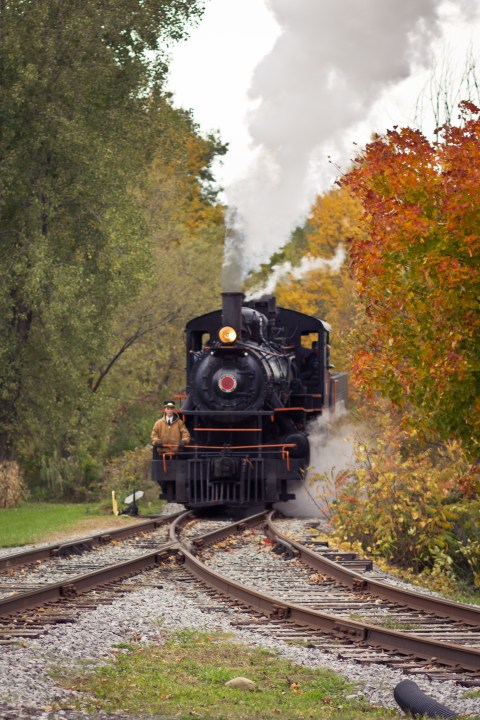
column 74, row 586
column 238, row 526
column 79, row 584
column 82, row 544
column 356, row 581
column 445, row 653
column 450, row 654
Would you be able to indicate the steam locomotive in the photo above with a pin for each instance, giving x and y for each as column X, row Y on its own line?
column 252, row 386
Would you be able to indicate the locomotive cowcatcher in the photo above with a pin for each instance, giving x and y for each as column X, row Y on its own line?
column 251, row 390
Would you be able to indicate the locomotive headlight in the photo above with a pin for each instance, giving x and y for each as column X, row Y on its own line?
column 227, row 334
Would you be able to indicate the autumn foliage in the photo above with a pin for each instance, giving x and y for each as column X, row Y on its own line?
column 327, row 292
column 416, row 271
column 404, row 501
column 12, row 486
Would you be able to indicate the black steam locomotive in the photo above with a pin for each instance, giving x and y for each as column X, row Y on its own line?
column 252, row 386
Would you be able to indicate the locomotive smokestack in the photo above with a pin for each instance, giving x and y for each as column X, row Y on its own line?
column 232, row 310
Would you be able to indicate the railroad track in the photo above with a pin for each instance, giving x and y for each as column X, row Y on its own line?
column 327, row 604
column 286, row 589
column 52, row 576
column 56, row 583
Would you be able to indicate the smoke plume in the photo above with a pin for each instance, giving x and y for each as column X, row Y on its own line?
column 307, row 264
column 330, row 63
column 233, row 265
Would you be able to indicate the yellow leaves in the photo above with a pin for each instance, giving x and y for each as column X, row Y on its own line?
column 333, row 218
column 396, row 502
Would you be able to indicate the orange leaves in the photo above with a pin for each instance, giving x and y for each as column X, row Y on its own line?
column 416, row 267
column 332, row 218
column 398, row 502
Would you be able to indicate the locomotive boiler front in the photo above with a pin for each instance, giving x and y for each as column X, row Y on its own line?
column 228, row 380
column 243, row 374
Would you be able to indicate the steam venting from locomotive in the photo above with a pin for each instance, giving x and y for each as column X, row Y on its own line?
column 308, row 104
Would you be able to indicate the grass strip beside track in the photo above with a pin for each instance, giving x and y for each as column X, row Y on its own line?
column 31, row 523
column 184, row 676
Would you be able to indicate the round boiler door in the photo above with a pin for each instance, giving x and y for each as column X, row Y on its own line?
column 227, row 383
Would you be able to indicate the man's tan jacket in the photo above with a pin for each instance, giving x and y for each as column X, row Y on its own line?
column 170, row 435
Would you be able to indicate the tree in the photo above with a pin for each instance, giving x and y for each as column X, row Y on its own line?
column 416, row 271
column 143, row 363
column 77, row 96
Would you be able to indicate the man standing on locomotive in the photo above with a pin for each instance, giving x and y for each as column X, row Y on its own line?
column 169, row 434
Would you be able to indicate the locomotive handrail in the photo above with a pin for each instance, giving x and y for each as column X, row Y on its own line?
column 199, row 429
column 289, row 409
column 245, row 412
column 286, row 457
column 225, row 412
column 269, row 353
column 164, row 458
column 235, row 447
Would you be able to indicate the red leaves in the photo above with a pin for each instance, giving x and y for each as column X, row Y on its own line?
column 417, row 270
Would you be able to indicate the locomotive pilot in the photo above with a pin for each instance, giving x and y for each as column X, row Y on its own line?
column 169, row 434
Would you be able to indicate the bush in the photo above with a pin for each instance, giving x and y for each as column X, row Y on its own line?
column 12, row 486
column 130, row 471
column 73, row 479
column 466, row 551
column 406, row 503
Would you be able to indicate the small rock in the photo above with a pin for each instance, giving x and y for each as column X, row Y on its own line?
column 241, row 683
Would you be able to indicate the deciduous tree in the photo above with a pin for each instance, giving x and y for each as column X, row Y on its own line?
column 79, row 85
column 416, row 270
column 327, row 292
column 144, row 361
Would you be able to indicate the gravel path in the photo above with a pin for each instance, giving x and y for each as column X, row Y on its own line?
column 25, row 684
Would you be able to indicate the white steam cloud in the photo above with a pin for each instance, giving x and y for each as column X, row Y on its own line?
column 306, row 265
column 332, row 449
column 232, row 267
column 331, row 62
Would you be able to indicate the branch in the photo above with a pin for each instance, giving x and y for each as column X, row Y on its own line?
column 128, row 344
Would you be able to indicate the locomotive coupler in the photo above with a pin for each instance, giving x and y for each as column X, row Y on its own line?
column 225, row 467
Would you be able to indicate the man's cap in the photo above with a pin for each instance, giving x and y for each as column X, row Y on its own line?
column 169, row 403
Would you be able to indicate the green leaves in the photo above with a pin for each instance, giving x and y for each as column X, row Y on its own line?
column 400, row 502
column 80, row 99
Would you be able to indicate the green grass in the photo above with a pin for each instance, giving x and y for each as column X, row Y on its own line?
column 32, row 522
column 186, row 678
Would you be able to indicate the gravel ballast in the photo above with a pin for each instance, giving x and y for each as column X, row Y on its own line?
column 144, row 615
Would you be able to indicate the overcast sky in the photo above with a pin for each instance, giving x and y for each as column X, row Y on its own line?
column 289, row 82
